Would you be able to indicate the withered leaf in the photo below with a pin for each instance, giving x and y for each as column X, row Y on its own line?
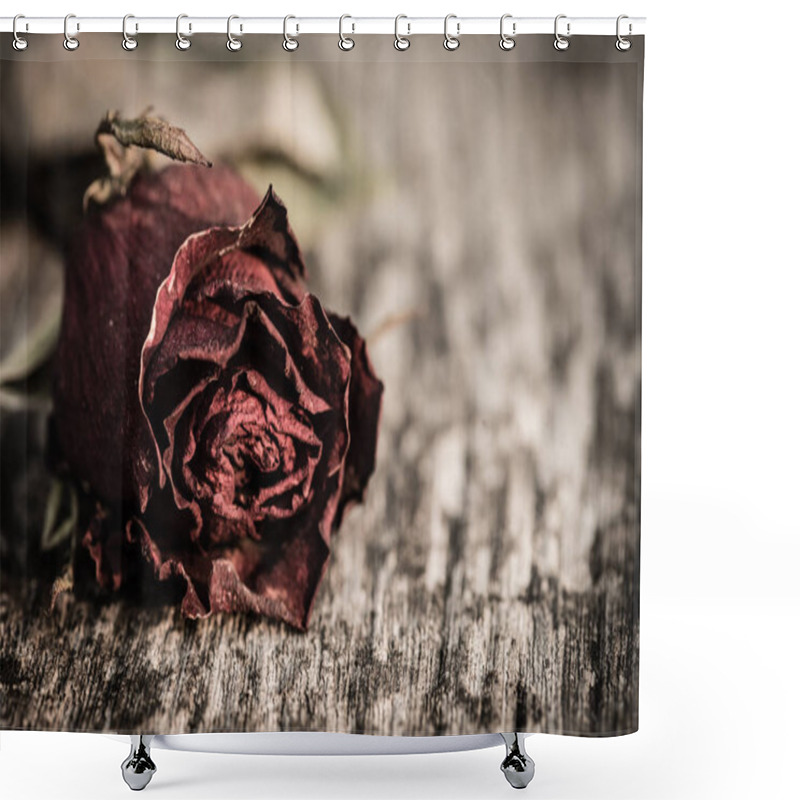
column 60, row 514
column 122, row 142
column 153, row 134
column 64, row 583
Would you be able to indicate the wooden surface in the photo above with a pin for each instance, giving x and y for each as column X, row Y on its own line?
column 490, row 581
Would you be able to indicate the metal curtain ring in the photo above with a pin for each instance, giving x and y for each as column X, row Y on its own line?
column 129, row 42
column 19, row 43
column 181, row 42
column 345, row 42
column 507, row 42
column 561, row 42
column 233, row 44
column 70, row 42
column 290, row 43
column 401, row 42
column 623, row 44
column 451, row 42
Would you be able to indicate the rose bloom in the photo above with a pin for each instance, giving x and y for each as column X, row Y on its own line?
column 206, row 397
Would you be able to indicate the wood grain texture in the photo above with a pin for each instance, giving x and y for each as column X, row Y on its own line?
column 490, row 581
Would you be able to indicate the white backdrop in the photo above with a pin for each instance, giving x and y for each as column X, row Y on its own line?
column 720, row 699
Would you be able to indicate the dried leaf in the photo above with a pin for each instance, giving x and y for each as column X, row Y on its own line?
column 153, row 134
column 31, row 297
column 123, row 141
column 20, row 398
column 30, row 353
column 57, row 528
column 64, row 583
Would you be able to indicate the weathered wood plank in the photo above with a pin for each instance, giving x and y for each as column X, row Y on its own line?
column 490, row 581
column 441, row 671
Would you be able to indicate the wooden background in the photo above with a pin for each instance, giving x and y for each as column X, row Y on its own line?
column 480, row 221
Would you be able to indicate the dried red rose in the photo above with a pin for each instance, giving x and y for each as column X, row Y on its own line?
column 202, row 387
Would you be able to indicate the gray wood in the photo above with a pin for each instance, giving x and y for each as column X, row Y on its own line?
column 490, row 580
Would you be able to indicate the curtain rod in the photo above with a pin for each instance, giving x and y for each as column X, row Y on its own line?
column 457, row 26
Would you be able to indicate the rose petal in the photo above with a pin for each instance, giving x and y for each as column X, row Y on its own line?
column 267, row 232
column 278, row 579
column 365, row 395
column 170, row 567
column 297, row 343
column 104, row 543
column 282, row 586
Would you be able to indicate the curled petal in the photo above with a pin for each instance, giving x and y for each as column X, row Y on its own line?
column 278, row 580
column 104, row 544
column 364, row 395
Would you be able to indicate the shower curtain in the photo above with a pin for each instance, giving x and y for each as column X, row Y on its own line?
column 320, row 383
